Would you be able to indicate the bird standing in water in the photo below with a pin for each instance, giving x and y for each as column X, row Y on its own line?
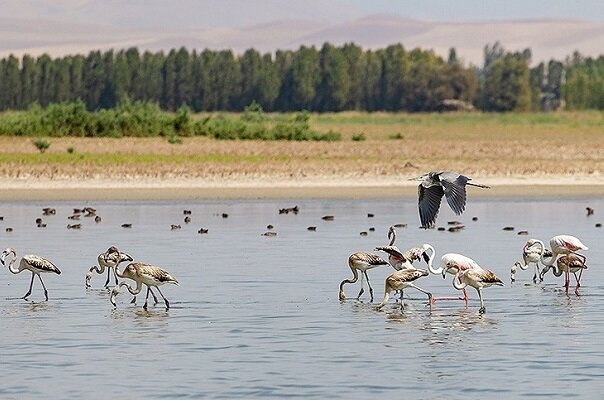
column 437, row 184
column 361, row 261
column 477, row 278
column 33, row 263
column 142, row 273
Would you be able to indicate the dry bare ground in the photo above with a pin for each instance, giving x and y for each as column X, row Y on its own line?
column 217, row 159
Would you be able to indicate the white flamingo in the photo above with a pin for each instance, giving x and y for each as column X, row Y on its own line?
column 401, row 279
column 477, row 278
column 562, row 245
column 361, row 261
column 142, row 273
column 452, row 263
column 33, row 263
column 108, row 260
column 532, row 252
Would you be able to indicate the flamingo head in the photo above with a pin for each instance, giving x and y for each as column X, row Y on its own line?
column 114, row 292
column 6, row 252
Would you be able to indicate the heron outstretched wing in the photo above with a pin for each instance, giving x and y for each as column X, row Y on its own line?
column 455, row 190
column 429, row 203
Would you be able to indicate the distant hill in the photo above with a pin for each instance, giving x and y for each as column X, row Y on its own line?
column 546, row 38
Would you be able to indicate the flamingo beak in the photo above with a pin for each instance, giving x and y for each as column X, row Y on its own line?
column 114, row 292
column 124, row 257
column 2, row 259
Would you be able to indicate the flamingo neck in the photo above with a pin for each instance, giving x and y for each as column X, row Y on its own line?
column 431, row 268
column 355, row 277
column 131, row 290
column 457, row 283
column 391, row 236
column 11, row 265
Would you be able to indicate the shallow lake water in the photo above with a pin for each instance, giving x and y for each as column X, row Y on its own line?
column 259, row 317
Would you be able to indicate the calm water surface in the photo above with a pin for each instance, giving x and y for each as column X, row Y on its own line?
column 259, row 317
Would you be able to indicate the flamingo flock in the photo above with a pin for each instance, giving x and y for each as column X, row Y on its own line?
column 563, row 258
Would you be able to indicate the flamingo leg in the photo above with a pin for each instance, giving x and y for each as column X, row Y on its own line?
column 370, row 289
column 464, row 298
column 108, row 277
column 31, row 285
column 146, row 298
column 154, row 297
column 482, row 307
column 578, row 281
column 567, row 281
column 424, row 291
column 43, row 286
column 165, row 299
column 362, row 290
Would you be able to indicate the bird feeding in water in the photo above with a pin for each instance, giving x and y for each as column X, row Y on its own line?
column 142, row 273
column 108, row 260
column 532, row 252
column 477, row 278
column 361, row 261
column 437, row 184
column 33, row 263
column 401, row 279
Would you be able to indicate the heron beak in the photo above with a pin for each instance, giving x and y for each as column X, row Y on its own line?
column 419, row 178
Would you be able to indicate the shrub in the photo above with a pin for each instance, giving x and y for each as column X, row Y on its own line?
column 358, row 137
column 41, row 144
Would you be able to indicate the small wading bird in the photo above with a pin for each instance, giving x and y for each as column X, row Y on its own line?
column 531, row 253
column 142, row 273
column 361, row 261
column 401, row 279
column 571, row 263
column 434, row 186
column 108, row 260
column 33, row 263
column 477, row 278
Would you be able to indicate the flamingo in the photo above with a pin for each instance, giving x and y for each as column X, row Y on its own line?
column 401, row 279
column 452, row 263
column 110, row 259
column 561, row 245
column 437, row 184
column 33, row 263
column 361, row 261
column 477, row 278
column 400, row 260
column 531, row 253
column 571, row 263
column 142, row 273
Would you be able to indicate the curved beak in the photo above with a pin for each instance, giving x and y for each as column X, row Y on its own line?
column 124, row 257
column 114, row 292
column 2, row 259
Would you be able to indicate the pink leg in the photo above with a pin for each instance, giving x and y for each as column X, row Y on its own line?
column 578, row 283
column 567, row 281
column 464, row 298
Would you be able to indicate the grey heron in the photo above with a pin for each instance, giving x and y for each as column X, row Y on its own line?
column 437, row 184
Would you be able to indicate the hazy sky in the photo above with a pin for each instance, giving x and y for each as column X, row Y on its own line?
column 464, row 10
column 237, row 13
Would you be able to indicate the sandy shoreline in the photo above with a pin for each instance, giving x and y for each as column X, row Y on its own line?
column 277, row 188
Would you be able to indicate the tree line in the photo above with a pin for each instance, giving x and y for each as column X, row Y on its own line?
column 332, row 78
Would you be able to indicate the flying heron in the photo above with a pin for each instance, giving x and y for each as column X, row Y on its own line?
column 434, row 185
